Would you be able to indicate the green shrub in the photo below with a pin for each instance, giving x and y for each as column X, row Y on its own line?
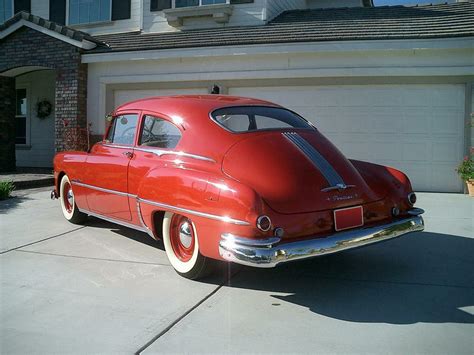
column 466, row 169
column 6, row 188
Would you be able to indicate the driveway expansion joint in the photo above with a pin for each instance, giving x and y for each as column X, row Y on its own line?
column 91, row 258
column 42, row 240
column 184, row 315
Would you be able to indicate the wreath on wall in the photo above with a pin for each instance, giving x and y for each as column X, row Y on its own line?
column 43, row 109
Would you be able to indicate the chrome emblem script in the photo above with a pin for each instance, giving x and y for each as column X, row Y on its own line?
column 342, row 198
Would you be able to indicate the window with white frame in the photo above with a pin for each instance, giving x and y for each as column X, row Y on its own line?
column 88, row 11
column 159, row 5
column 186, row 3
column 21, row 117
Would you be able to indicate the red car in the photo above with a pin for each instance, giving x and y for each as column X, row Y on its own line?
column 232, row 178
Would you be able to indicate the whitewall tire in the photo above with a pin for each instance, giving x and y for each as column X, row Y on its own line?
column 68, row 203
column 181, row 243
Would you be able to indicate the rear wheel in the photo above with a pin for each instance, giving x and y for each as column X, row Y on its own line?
column 68, row 204
column 182, row 246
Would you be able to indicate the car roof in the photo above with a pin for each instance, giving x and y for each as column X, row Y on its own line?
column 170, row 104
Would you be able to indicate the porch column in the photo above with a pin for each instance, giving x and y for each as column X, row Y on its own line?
column 7, row 124
column 71, row 105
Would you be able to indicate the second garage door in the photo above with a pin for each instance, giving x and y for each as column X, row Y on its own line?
column 416, row 128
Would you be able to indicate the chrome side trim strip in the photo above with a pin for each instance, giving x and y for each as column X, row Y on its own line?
column 142, row 222
column 329, row 173
column 120, row 193
column 166, row 206
column 160, row 152
column 195, row 213
column 268, row 255
column 113, row 220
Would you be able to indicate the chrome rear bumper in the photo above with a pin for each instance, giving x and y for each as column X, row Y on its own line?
column 268, row 253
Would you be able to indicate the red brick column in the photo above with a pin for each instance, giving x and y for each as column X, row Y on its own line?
column 71, row 106
column 7, row 124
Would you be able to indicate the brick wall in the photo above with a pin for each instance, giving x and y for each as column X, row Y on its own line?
column 27, row 47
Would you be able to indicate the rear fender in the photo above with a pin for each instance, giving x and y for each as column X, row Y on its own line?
column 232, row 206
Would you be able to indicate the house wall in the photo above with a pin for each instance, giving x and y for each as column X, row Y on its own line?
column 132, row 24
column 40, row 8
column 40, row 151
column 242, row 15
column 305, row 64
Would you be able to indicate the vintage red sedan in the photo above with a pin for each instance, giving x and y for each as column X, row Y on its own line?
column 234, row 179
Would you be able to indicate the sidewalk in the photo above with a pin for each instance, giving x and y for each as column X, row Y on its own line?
column 27, row 178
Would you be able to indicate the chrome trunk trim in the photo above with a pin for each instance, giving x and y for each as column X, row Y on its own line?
column 316, row 158
column 244, row 251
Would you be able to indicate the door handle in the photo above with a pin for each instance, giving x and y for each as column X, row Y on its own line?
column 129, row 155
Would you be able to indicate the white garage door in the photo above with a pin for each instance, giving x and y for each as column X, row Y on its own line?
column 415, row 128
column 123, row 96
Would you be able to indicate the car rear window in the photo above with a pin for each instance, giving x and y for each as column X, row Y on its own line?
column 257, row 118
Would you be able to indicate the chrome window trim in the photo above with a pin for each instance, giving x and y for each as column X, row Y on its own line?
column 164, row 205
column 119, row 146
column 196, row 213
column 211, row 116
column 161, row 152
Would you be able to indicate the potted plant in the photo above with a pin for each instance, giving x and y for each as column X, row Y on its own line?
column 466, row 172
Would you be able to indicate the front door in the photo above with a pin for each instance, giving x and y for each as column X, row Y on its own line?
column 107, row 169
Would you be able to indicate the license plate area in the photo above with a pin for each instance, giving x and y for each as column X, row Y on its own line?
column 347, row 218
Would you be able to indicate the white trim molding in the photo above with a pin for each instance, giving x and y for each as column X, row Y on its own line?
column 84, row 44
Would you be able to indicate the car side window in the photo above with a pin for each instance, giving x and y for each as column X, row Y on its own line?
column 159, row 133
column 123, row 129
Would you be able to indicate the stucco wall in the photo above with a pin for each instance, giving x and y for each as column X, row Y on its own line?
column 311, row 64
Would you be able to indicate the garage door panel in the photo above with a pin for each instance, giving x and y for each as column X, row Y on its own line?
column 416, row 119
column 446, row 121
column 444, row 151
column 416, row 128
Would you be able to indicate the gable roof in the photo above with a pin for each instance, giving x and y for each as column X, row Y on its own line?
column 68, row 34
column 341, row 24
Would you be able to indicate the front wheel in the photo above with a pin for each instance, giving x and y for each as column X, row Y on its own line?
column 182, row 246
column 68, row 204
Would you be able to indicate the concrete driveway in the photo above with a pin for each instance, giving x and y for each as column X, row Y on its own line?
column 101, row 288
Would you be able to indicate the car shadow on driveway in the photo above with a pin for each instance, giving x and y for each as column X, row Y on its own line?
column 424, row 277
column 132, row 234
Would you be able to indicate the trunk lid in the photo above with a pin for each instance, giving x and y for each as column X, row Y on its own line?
column 296, row 171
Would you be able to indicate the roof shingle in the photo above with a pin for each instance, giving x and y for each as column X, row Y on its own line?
column 346, row 24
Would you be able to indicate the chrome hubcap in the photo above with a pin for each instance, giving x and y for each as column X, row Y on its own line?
column 185, row 236
column 70, row 197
